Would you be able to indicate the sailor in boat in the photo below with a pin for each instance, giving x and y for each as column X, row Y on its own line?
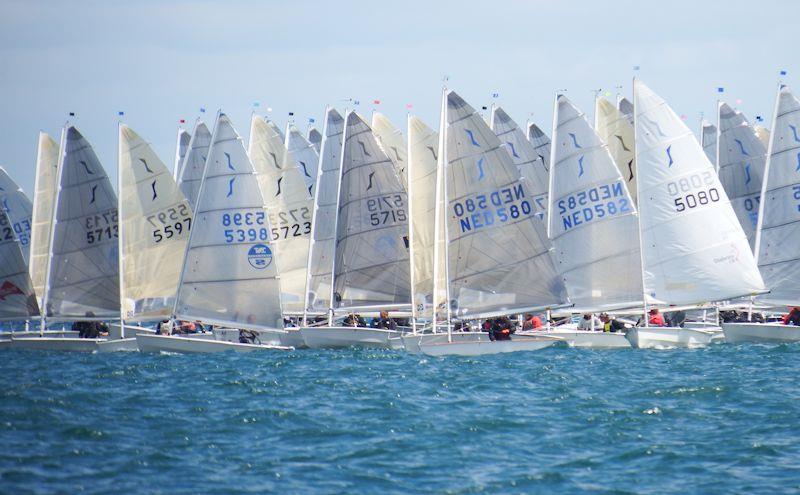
column 590, row 322
column 532, row 322
column 248, row 337
column 612, row 325
column 384, row 321
column 165, row 327
column 654, row 319
column 500, row 328
column 354, row 320
column 675, row 318
column 89, row 329
column 793, row 318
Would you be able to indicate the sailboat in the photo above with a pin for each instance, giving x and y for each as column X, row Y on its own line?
column 615, row 129
column 229, row 276
column 371, row 260
column 18, row 209
column 290, row 209
column 315, row 138
column 495, row 248
column 740, row 165
column 778, row 229
column 693, row 249
column 155, row 220
column 593, row 223
column 82, row 273
column 181, row 148
column 194, row 163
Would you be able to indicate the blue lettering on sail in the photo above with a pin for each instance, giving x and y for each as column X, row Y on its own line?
column 606, row 200
column 472, row 137
column 500, row 206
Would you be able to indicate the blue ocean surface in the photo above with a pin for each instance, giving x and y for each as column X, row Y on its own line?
column 725, row 419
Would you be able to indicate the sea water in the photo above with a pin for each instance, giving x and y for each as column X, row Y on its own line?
column 725, row 419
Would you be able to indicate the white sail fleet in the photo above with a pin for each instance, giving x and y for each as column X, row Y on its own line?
column 279, row 242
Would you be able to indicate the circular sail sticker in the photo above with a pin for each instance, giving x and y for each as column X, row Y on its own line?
column 259, row 256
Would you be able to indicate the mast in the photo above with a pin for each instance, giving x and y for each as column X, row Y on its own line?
column 410, row 226
column 445, row 160
column 336, row 218
column 45, row 294
column 437, row 223
column 120, row 244
column 639, row 202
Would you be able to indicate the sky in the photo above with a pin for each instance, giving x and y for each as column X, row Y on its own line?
column 161, row 61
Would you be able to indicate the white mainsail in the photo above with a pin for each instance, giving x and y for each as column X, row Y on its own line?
column 194, row 163
column 46, row 185
column 498, row 253
column 392, row 143
column 616, row 130
column 83, row 271
column 181, row 148
column 593, row 221
column 777, row 246
column 541, row 143
column 289, row 207
column 423, row 143
column 304, row 155
column 708, row 140
column 315, row 138
column 322, row 247
column 693, row 248
column 17, row 299
column 742, row 157
column 525, row 156
column 229, row 276
column 19, row 209
column 371, row 266
column 155, row 220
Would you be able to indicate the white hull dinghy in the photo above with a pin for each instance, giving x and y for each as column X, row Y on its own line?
column 412, row 342
column 340, row 337
column 480, row 347
column 71, row 344
column 194, row 345
column 668, row 337
column 32, row 334
column 588, row 339
column 760, row 332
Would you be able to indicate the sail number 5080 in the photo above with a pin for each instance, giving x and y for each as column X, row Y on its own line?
column 693, row 190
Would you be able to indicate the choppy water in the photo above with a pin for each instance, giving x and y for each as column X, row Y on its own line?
column 720, row 420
